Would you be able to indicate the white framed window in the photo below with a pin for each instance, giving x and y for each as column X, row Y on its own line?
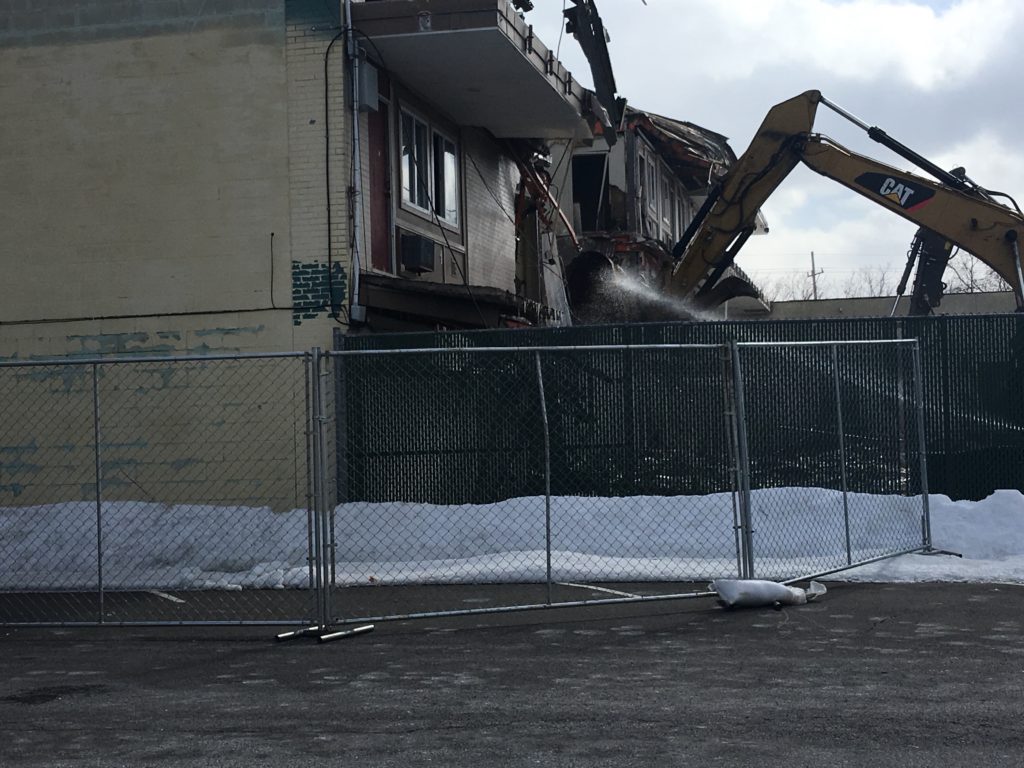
column 682, row 215
column 642, row 175
column 430, row 169
column 651, row 187
column 446, row 179
column 415, row 161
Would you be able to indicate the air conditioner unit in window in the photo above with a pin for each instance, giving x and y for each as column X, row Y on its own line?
column 417, row 253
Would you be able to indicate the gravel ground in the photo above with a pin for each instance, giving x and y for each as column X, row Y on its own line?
column 887, row 675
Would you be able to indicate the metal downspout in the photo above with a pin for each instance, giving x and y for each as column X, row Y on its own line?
column 356, row 311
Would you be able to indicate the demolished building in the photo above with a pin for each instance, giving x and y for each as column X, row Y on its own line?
column 631, row 202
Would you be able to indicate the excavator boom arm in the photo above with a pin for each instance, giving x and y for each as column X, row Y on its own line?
column 983, row 228
column 735, row 202
column 964, row 216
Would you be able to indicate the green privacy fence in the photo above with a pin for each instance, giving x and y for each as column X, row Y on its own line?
column 450, row 427
column 973, row 378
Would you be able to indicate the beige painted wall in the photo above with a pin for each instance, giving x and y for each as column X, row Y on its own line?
column 148, row 176
column 148, row 155
column 162, row 175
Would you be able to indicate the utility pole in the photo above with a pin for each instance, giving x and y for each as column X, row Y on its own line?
column 814, row 277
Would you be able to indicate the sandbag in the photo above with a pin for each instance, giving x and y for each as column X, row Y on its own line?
column 755, row 593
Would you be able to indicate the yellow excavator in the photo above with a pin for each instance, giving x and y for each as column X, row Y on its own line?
column 951, row 210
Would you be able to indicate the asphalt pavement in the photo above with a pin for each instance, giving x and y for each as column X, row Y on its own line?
column 882, row 675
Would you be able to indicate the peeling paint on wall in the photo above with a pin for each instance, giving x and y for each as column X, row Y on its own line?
column 101, row 344
column 253, row 329
column 72, row 378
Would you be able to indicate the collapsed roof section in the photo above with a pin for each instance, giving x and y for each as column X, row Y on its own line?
column 695, row 154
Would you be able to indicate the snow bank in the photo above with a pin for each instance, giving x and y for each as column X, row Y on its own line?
column 988, row 533
column 800, row 531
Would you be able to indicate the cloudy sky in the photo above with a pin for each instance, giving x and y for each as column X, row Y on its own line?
column 942, row 76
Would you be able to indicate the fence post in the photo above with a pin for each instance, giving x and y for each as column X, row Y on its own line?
column 922, row 446
column 842, row 450
column 743, row 464
column 547, row 472
column 316, row 471
column 98, row 468
column 732, row 440
column 326, row 505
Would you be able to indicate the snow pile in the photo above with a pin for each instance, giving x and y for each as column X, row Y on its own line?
column 154, row 546
column 799, row 531
column 988, row 533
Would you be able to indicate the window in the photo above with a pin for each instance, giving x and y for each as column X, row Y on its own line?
column 682, row 215
column 430, row 170
column 446, row 179
column 415, row 161
column 651, row 187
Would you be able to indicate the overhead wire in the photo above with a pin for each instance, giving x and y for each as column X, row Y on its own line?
column 435, row 219
column 451, row 252
column 490, row 191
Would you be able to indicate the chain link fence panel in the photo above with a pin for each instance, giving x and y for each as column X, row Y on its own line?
column 321, row 488
column 536, row 467
column 155, row 490
column 835, row 454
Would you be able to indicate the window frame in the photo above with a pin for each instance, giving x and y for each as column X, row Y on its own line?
column 439, row 176
column 426, row 206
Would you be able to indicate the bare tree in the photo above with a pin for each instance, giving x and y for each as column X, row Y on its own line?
column 967, row 274
column 791, row 286
column 869, row 281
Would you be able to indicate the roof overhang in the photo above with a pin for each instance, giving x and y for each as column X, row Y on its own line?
column 428, row 305
column 478, row 62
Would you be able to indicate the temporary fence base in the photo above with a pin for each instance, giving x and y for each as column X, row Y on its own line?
column 942, row 552
column 324, row 634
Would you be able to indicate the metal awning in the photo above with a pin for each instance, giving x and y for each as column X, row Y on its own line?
column 478, row 62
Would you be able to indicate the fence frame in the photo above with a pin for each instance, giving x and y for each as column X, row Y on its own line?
column 320, row 511
column 918, row 397
column 736, row 413
column 95, row 364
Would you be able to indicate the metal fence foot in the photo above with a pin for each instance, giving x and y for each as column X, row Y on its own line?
column 297, row 633
column 323, row 634
column 930, row 551
column 340, row 635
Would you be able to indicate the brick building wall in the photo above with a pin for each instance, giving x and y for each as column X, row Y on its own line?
column 491, row 180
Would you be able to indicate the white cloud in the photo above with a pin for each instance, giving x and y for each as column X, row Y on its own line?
column 938, row 76
column 858, row 40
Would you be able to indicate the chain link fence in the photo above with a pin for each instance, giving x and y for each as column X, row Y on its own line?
column 330, row 488
column 630, row 470
column 835, row 454
column 167, row 490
